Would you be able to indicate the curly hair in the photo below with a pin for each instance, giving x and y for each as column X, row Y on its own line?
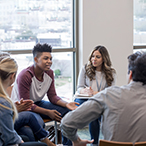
column 40, row 48
column 106, row 65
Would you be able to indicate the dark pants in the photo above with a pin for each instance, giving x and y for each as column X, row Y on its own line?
column 33, row 144
column 60, row 109
column 94, row 126
column 24, row 138
column 34, row 123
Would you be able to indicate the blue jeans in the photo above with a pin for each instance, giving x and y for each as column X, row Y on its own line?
column 60, row 109
column 34, row 125
column 94, row 126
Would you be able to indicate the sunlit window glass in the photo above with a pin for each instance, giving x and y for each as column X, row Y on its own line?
column 140, row 49
column 139, row 22
column 62, row 67
column 23, row 23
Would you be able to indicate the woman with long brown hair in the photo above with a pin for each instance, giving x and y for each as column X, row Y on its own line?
column 95, row 76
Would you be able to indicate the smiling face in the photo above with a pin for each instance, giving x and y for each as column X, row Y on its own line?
column 97, row 60
column 44, row 61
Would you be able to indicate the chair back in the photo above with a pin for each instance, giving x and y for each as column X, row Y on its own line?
column 140, row 143
column 114, row 143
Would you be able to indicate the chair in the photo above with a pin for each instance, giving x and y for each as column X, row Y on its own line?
column 114, row 143
column 140, row 143
column 55, row 125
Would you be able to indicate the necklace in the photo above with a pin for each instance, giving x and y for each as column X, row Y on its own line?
column 99, row 86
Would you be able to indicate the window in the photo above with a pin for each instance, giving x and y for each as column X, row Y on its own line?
column 62, row 67
column 28, row 22
column 25, row 23
column 139, row 19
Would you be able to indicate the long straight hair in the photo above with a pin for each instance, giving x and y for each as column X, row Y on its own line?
column 8, row 66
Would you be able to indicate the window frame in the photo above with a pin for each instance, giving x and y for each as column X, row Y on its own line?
column 137, row 46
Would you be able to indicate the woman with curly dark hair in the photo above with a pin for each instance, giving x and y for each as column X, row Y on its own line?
column 95, row 76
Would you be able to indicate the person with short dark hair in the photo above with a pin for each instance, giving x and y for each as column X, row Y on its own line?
column 29, row 125
column 122, row 109
column 8, row 112
column 36, row 81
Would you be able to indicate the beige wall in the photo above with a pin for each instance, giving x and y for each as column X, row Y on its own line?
column 108, row 23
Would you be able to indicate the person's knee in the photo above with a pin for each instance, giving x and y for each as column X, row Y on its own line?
column 27, row 131
column 65, row 111
column 39, row 119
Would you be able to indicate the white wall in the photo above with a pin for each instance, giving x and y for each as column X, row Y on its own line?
column 108, row 23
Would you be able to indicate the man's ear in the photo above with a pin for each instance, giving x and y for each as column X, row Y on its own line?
column 35, row 59
column 130, row 75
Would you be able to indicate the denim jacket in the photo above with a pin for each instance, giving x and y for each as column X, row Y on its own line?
column 8, row 136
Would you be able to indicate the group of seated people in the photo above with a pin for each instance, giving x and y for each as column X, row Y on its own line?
column 120, row 110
